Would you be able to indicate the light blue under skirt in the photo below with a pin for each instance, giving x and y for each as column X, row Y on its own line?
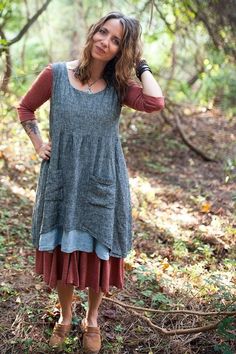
column 75, row 240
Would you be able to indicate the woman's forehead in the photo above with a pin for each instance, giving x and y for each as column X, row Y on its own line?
column 115, row 27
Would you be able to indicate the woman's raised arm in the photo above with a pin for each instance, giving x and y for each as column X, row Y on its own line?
column 147, row 95
column 137, row 98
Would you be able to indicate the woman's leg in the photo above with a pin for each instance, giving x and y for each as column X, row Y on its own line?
column 65, row 294
column 94, row 301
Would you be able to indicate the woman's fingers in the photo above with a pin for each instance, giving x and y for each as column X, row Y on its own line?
column 48, row 150
column 45, row 151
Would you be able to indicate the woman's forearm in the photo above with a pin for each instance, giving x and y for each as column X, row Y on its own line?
column 31, row 128
column 150, row 85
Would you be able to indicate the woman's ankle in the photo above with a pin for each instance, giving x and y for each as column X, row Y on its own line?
column 64, row 321
column 91, row 319
column 65, row 318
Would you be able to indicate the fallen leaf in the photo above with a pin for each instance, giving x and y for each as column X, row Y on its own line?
column 206, row 207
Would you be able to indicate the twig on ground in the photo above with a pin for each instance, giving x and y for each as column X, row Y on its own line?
column 167, row 332
column 199, row 313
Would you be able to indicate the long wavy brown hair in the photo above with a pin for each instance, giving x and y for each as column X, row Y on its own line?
column 119, row 70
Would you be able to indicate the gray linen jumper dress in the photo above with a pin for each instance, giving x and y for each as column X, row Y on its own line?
column 84, row 186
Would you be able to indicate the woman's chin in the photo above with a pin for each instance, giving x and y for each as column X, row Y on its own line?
column 98, row 58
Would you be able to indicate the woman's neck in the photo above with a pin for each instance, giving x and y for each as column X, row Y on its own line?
column 97, row 69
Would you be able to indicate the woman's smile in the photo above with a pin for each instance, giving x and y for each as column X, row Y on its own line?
column 99, row 50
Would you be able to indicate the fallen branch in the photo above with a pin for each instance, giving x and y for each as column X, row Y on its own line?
column 165, row 331
column 189, row 312
column 178, row 331
column 188, row 142
column 173, row 110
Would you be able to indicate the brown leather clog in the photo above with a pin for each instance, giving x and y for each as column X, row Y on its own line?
column 59, row 334
column 91, row 338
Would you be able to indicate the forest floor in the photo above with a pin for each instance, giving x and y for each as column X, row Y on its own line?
column 183, row 255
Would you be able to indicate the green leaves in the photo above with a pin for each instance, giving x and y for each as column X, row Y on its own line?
column 227, row 331
column 160, row 298
column 3, row 42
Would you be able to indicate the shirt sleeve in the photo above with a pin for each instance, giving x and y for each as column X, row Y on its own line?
column 39, row 92
column 136, row 99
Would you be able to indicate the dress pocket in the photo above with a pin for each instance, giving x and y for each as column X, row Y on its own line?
column 98, row 209
column 53, row 200
column 101, row 192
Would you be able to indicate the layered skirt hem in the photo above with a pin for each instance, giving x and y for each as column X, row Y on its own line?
column 79, row 268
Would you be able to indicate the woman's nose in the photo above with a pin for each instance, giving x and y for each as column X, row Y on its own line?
column 104, row 43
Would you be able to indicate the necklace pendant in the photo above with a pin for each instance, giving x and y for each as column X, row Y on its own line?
column 88, row 90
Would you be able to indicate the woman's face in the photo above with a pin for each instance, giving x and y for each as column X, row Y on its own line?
column 106, row 42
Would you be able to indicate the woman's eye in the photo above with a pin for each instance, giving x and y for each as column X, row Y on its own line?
column 101, row 30
column 116, row 42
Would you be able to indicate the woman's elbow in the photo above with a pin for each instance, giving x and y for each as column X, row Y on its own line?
column 155, row 106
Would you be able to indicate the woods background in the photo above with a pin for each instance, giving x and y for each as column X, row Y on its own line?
column 182, row 169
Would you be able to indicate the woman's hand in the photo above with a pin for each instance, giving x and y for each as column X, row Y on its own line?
column 44, row 151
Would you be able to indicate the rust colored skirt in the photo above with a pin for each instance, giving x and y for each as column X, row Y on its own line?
column 82, row 269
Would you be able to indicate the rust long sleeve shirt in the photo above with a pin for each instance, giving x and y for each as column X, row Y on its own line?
column 41, row 90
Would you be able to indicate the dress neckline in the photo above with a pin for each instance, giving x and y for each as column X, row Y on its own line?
column 81, row 91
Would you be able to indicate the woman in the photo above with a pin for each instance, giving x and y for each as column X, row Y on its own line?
column 82, row 222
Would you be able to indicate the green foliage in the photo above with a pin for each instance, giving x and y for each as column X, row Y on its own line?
column 194, row 54
column 3, row 248
column 226, row 330
column 206, row 250
column 157, row 166
column 161, row 299
column 144, row 275
column 156, row 298
column 218, row 85
column 194, row 51
column 230, row 169
column 180, row 249
column 224, row 348
column 6, row 291
column 12, row 15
